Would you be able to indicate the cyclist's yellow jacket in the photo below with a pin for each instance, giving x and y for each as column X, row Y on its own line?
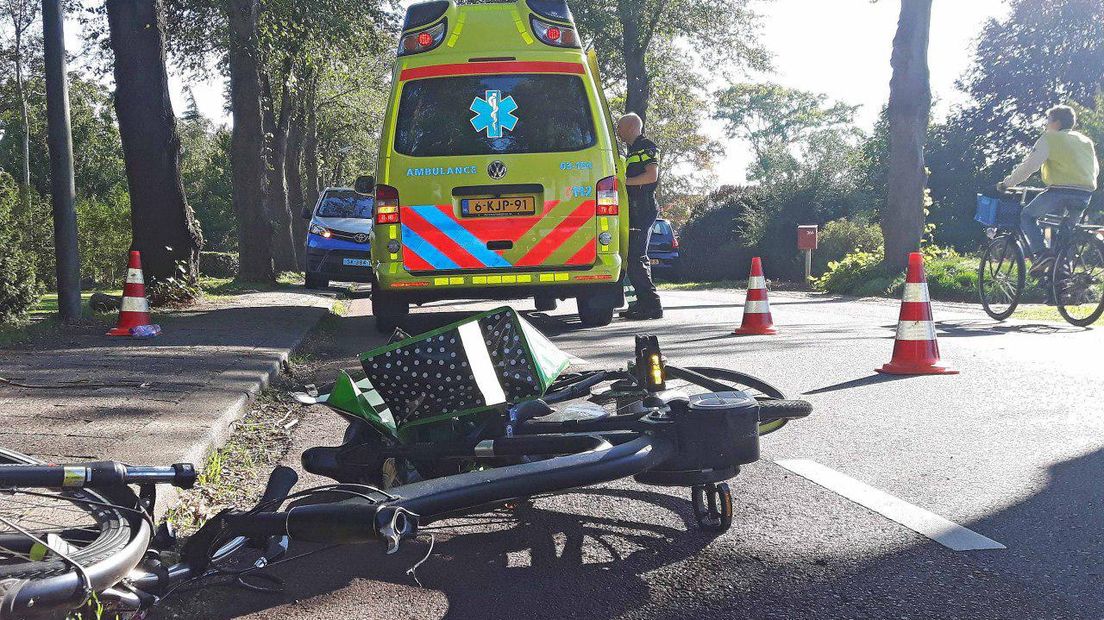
column 1066, row 158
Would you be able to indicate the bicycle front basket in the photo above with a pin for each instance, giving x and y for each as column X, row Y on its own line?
column 996, row 212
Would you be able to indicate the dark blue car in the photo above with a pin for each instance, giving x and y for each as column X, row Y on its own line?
column 663, row 250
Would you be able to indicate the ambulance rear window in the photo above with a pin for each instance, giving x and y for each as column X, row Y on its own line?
column 494, row 114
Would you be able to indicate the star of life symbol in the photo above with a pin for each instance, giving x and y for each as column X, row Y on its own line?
column 494, row 114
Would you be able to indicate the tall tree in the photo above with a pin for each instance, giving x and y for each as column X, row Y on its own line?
column 908, row 113
column 164, row 226
column 628, row 34
column 247, row 145
column 22, row 15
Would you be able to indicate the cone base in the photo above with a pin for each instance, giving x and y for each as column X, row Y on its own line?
column 119, row 331
column 755, row 331
column 894, row 368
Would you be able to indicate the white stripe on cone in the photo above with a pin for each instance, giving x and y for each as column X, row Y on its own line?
column 134, row 276
column 757, row 282
column 757, row 307
column 135, row 304
column 915, row 330
column 916, row 292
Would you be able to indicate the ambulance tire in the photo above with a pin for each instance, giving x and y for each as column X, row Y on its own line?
column 389, row 310
column 545, row 304
column 593, row 314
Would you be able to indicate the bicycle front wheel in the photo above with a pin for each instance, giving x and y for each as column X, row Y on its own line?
column 1001, row 277
column 98, row 530
column 1078, row 280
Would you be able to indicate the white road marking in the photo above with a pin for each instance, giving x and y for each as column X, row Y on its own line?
column 943, row 531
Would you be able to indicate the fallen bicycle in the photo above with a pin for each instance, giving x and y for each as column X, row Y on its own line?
column 457, row 421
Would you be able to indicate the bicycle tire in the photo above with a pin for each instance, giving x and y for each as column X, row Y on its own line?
column 985, row 275
column 1065, row 256
column 784, row 409
column 115, row 529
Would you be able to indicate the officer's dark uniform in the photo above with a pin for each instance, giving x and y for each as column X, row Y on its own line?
column 642, row 216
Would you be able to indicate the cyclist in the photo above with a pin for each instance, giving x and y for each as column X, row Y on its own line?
column 1069, row 167
column 642, row 177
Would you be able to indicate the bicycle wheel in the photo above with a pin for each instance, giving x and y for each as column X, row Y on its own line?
column 93, row 528
column 1077, row 280
column 1001, row 277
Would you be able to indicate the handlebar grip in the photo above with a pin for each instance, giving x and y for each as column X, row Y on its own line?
column 280, row 483
column 772, row 410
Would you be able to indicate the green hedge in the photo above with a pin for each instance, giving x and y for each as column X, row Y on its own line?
column 218, row 264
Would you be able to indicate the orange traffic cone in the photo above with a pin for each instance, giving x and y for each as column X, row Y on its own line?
column 757, row 316
column 135, row 309
column 915, row 350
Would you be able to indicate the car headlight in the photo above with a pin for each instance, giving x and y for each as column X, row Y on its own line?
column 321, row 231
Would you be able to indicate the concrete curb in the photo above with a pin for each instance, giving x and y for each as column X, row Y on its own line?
column 213, row 432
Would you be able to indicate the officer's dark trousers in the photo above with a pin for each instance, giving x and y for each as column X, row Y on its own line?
column 640, row 268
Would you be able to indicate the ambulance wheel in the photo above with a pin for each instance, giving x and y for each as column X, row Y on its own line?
column 545, row 304
column 592, row 314
column 315, row 281
column 712, row 506
column 389, row 309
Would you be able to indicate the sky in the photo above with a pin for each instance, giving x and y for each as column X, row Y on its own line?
column 837, row 47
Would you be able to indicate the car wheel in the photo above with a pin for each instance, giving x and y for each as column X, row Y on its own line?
column 315, row 281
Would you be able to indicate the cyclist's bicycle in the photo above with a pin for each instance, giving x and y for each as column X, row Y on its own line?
column 70, row 532
column 1075, row 282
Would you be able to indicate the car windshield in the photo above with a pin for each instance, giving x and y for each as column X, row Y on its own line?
column 346, row 204
column 494, row 114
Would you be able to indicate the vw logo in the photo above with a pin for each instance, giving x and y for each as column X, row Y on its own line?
column 360, row 238
column 496, row 170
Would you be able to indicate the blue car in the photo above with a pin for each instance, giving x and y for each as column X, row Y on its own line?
column 338, row 238
column 663, row 251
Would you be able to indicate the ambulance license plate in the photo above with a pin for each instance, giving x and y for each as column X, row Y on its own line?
column 356, row 262
column 491, row 207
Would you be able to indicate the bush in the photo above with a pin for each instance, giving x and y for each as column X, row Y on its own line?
column 18, row 286
column 218, row 264
column 844, row 236
column 103, row 236
column 711, row 246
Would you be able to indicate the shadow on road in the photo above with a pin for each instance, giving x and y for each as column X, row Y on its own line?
column 874, row 379
column 960, row 329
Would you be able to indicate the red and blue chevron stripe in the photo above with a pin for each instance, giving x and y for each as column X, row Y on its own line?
column 435, row 239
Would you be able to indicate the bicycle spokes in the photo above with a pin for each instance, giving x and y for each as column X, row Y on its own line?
column 52, row 517
column 1079, row 281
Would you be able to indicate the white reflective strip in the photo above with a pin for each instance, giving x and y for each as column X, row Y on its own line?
column 135, row 304
column 941, row 530
column 134, row 276
column 916, row 291
column 915, row 330
column 482, row 367
column 757, row 307
column 757, row 282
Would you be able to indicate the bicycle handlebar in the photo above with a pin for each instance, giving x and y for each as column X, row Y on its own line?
column 98, row 475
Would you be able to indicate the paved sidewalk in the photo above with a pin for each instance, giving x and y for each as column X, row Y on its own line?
column 158, row 401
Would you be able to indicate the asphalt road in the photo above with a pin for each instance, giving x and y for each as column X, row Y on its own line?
column 1011, row 448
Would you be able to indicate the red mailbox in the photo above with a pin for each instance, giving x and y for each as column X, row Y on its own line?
column 807, row 237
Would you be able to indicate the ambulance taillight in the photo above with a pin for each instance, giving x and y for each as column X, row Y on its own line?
column 387, row 205
column 608, row 199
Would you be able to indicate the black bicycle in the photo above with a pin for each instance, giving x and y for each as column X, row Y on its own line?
column 1074, row 283
column 72, row 532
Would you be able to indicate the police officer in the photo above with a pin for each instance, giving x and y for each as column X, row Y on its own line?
column 641, row 179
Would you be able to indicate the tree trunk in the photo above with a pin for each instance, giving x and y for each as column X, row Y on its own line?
column 164, row 226
column 638, row 84
column 902, row 220
column 293, row 172
column 25, row 115
column 310, row 153
column 247, row 147
column 276, row 129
